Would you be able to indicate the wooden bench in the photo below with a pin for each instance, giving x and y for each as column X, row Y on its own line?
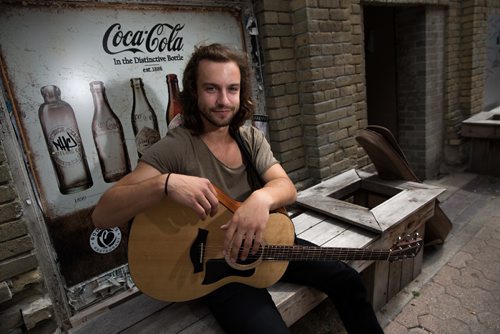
column 140, row 313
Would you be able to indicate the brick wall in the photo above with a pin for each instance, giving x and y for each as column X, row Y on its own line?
column 434, row 96
column 24, row 303
column 410, row 45
column 420, row 50
column 314, row 84
column 315, row 89
column 465, row 58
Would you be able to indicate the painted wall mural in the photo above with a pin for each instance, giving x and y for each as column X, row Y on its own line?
column 92, row 87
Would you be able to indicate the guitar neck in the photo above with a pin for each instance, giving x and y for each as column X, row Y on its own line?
column 313, row 253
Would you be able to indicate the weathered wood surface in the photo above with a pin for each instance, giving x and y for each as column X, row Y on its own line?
column 175, row 318
column 338, row 184
column 403, row 199
column 485, row 124
column 402, row 206
column 485, row 156
column 323, row 198
column 351, row 213
column 122, row 316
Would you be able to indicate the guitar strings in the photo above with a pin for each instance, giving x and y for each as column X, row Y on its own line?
column 315, row 253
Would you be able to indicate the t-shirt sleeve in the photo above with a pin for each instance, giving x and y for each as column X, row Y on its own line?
column 263, row 157
column 167, row 154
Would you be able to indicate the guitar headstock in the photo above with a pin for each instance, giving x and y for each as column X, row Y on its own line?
column 406, row 247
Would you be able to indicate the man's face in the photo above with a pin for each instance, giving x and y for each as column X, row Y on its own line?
column 218, row 87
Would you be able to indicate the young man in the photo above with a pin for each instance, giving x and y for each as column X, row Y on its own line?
column 183, row 166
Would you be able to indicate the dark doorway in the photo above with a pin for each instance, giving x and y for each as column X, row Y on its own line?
column 380, row 67
column 404, row 64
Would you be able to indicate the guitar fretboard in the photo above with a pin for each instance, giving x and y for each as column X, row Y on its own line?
column 311, row 253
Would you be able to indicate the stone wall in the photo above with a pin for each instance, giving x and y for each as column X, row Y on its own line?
column 24, row 300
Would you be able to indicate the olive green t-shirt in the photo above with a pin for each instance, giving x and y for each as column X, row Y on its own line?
column 183, row 153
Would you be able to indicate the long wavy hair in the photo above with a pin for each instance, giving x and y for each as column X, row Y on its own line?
column 189, row 95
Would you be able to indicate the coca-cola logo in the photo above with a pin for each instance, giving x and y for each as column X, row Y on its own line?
column 161, row 37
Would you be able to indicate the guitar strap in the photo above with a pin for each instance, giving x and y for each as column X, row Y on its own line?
column 255, row 180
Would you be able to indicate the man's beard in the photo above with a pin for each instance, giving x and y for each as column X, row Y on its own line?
column 215, row 121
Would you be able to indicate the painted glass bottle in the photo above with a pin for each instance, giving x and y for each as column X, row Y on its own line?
column 108, row 136
column 174, row 107
column 144, row 121
column 64, row 142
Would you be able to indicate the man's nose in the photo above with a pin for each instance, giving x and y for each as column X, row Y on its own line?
column 222, row 98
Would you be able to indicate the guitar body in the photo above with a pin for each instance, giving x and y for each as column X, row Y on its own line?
column 175, row 256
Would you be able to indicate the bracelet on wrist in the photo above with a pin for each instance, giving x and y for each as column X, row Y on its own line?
column 166, row 184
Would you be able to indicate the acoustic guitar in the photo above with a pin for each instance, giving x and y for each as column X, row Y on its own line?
column 175, row 256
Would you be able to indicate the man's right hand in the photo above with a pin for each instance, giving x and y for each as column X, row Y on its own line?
column 194, row 192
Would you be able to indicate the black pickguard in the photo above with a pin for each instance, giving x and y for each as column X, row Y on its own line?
column 217, row 269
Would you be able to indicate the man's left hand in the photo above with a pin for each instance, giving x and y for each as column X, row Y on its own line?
column 245, row 229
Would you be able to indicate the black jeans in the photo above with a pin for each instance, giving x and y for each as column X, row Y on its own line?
column 240, row 308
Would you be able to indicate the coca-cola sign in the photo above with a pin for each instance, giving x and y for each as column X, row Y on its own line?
column 85, row 130
column 161, row 37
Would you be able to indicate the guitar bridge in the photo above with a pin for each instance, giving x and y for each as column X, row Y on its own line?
column 197, row 250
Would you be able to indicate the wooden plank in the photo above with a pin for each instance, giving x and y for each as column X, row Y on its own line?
column 381, row 274
column 391, row 212
column 412, row 267
column 376, row 182
column 394, row 283
column 91, row 312
column 419, row 259
column 281, row 291
column 482, row 125
column 207, row 325
column 368, row 278
column 353, row 237
column 331, row 185
column 173, row 319
column 298, row 303
column 322, row 232
column 348, row 212
column 307, row 220
column 122, row 316
column 407, row 270
column 360, row 266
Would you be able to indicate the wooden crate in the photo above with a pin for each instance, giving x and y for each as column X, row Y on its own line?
column 484, row 131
